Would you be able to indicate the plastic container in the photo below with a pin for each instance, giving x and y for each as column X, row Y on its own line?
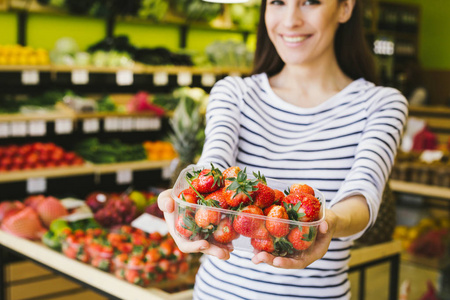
column 75, row 249
column 301, row 236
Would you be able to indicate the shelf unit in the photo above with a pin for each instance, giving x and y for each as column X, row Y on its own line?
column 420, row 189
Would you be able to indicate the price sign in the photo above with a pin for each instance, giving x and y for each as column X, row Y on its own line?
column 155, row 124
column 4, row 130
column 149, row 223
column 124, row 77
column 184, row 78
column 37, row 128
column 18, row 128
column 111, row 124
column 127, row 124
column 36, row 185
column 80, row 76
column 63, row 126
column 30, row 77
column 124, row 176
column 208, row 79
column 160, row 78
column 91, row 125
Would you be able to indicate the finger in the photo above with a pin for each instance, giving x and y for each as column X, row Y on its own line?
column 165, row 201
column 218, row 252
column 263, row 257
column 323, row 227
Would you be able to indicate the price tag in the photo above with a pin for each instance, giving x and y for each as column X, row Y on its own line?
column 155, row 124
column 80, row 76
column 18, row 128
column 184, row 78
column 4, row 130
column 235, row 74
column 430, row 156
column 127, row 124
column 124, row 77
column 91, row 125
column 63, row 126
column 208, row 79
column 124, row 176
column 36, row 185
column 166, row 172
column 37, row 128
column 160, row 78
column 30, row 77
column 150, row 224
column 111, row 124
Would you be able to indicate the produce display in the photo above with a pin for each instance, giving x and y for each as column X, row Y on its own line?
column 20, row 55
column 245, row 15
column 229, row 54
column 159, row 150
column 234, row 211
column 196, row 10
column 36, row 156
column 33, row 104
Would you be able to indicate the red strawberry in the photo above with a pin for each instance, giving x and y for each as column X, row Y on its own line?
column 276, row 228
column 185, row 229
column 302, row 207
column 298, row 188
column 301, row 238
column 218, row 196
column 279, row 196
column 207, row 218
column 189, row 195
column 264, row 196
column 240, row 190
column 207, row 181
column 248, row 225
column 231, row 172
column 263, row 244
column 225, row 232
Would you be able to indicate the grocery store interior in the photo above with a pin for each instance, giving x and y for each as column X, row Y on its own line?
column 103, row 102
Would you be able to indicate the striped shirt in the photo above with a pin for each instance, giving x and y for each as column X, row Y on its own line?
column 344, row 146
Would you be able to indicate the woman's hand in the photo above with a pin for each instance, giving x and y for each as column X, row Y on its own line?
column 167, row 205
column 319, row 248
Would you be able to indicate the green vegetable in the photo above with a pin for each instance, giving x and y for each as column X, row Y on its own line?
column 51, row 240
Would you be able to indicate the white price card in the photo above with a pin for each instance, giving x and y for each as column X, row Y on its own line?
column 126, row 124
column 150, row 224
column 30, row 77
column 160, row 78
column 37, row 128
column 208, row 79
column 235, row 74
column 18, row 128
column 111, row 124
column 91, row 125
column 4, row 129
column 63, row 126
column 155, row 124
column 36, row 185
column 124, row 77
column 184, row 78
column 124, row 176
column 80, row 76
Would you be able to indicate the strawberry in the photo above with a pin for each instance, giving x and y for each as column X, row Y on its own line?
column 220, row 197
column 224, row 232
column 230, row 173
column 186, row 226
column 263, row 244
column 240, row 190
column 301, row 237
column 298, row 188
column 189, row 195
column 248, row 225
column 264, row 196
column 207, row 181
column 207, row 218
column 302, row 207
column 276, row 228
column 279, row 196
column 152, row 255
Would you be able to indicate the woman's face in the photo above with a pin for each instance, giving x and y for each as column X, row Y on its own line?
column 302, row 31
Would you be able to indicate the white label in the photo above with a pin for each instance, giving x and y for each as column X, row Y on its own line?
column 63, row 126
column 37, row 128
column 149, row 224
column 126, row 124
column 160, row 78
column 184, row 78
column 124, row 77
column 91, row 125
column 4, row 130
column 235, row 74
column 155, row 124
column 18, row 128
column 124, row 176
column 166, row 172
column 111, row 124
column 430, row 156
column 80, row 76
column 30, row 77
column 208, row 79
column 36, row 185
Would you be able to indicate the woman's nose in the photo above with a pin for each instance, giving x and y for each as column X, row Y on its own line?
column 293, row 16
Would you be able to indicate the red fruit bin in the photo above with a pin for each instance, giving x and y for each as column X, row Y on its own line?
column 74, row 248
column 285, row 225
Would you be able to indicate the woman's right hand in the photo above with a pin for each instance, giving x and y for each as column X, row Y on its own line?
column 167, row 205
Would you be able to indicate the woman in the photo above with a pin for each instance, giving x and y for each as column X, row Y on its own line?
column 308, row 114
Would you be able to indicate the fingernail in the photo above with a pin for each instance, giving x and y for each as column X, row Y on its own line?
column 167, row 206
column 203, row 247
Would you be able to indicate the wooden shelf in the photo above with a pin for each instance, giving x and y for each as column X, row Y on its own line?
column 420, row 189
column 86, row 169
column 375, row 252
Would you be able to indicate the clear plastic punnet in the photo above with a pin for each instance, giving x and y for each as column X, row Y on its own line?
column 247, row 227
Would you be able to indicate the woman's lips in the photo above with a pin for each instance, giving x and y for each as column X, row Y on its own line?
column 294, row 39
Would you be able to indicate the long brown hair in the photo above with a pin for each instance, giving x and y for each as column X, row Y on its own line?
column 350, row 46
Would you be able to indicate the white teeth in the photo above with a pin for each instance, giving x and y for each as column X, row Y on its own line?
column 294, row 39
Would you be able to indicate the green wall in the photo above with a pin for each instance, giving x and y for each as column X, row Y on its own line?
column 145, row 35
column 8, row 25
column 434, row 40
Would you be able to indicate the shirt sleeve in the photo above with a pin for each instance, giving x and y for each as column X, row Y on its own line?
column 374, row 156
column 222, row 123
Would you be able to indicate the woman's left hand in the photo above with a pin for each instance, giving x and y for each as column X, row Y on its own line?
column 320, row 247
